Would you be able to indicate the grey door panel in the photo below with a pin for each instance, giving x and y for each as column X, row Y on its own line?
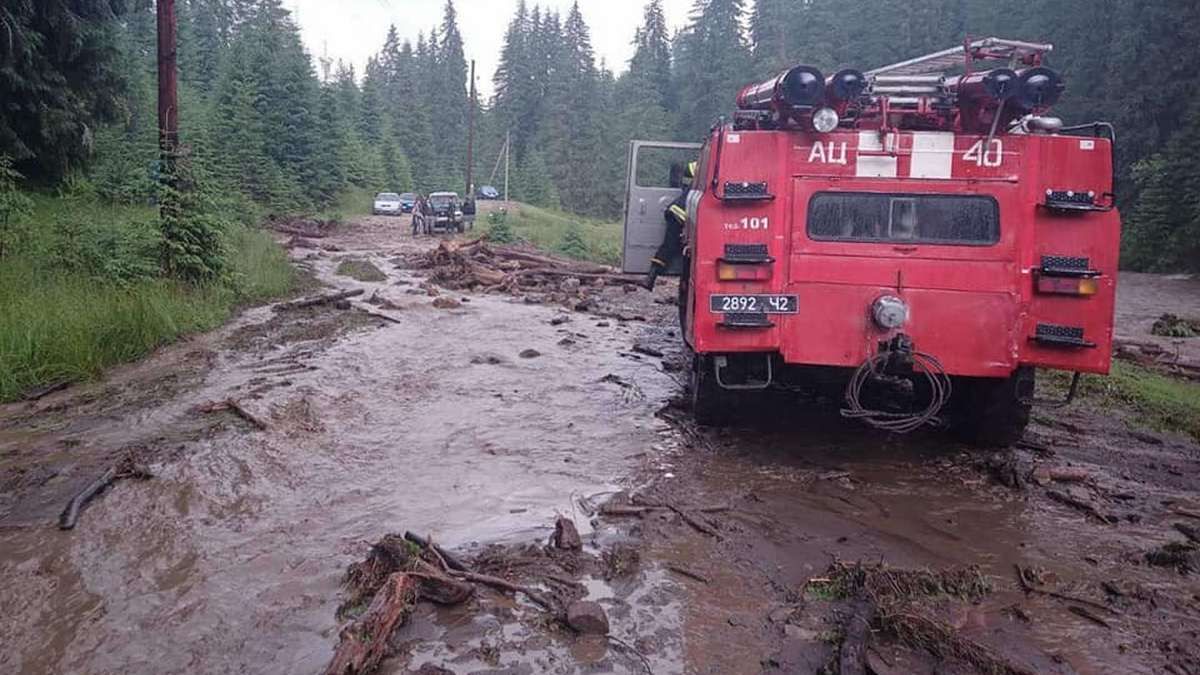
column 644, row 205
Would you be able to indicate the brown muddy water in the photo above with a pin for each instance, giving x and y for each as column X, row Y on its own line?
column 230, row 559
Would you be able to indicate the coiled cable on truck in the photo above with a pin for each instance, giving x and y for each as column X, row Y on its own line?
column 898, row 422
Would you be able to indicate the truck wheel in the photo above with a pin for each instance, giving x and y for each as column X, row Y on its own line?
column 710, row 403
column 993, row 412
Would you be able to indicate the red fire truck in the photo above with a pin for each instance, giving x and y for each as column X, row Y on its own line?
column 921, row 237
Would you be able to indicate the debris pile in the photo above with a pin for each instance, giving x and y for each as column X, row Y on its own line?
column 382, row 590
column 907, row 606
column 481, row 265
column 1170, row 325
column 309, row 228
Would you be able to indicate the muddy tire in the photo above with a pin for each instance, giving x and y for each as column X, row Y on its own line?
column 993, row 412
column 710, row 403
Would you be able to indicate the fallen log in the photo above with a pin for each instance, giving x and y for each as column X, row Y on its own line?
column 70, row 515
column 367, row 309
column 235, row 407
column 126, row 468
column 364, row 642
column 319, row 300
column 684, row 572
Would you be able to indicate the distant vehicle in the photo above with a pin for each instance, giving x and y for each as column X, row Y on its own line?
column 387, row 204
column 446, row 213
column 407, row 200
column 487, row 192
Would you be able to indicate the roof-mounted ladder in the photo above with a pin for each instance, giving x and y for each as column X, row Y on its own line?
column 1015, row 52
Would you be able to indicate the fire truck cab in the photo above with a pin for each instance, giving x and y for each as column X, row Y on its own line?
column 921, row 237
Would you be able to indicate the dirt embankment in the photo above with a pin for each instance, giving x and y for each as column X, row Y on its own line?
column 286, row 447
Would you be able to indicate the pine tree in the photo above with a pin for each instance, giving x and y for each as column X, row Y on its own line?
column 58, row 80
column 714, row 63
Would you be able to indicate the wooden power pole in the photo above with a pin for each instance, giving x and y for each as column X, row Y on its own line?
column 471, row 136
column 168, row 90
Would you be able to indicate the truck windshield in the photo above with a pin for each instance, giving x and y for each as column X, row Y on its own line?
column 908, row 218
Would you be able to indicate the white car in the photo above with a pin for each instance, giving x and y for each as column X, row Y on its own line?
column 387, row 204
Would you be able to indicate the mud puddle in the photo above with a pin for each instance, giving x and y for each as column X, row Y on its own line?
column 475, row 424
column 478, row 419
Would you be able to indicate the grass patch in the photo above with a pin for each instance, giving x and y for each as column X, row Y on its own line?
column 82, row 292
column 361, row 270
column 1161, row 402
column 568, row 234
column 350, row 204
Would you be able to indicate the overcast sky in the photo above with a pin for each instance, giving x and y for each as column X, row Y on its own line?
column 353, row 30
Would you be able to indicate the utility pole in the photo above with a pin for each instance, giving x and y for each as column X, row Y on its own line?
column 507, row 151
column 168, row 91
column 471, row 136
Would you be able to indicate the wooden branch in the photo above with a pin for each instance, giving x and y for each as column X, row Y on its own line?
column 1030, row 588
column 364, row 642
column 70, row 515
column 319, row 300
column 452, row 562
column 504, row 585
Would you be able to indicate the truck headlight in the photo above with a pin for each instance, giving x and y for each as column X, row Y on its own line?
column 825, row 120
column 889, row 312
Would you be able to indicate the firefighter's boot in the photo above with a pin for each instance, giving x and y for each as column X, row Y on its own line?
column 652, row 277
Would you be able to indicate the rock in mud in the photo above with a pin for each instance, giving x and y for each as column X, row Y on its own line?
column 530, row 354
column 566, row 536
column 587, row 617
column 559, row 320
column 643, row 348
column 446, row 303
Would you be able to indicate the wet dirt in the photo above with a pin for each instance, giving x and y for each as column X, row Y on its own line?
column 394, row 414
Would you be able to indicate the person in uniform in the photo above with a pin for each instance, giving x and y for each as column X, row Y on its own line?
column 676, row 217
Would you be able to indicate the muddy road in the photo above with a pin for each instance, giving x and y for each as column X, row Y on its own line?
column 478, row 418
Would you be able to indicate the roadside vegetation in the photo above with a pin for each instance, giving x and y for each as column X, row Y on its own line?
column 563, row 233
column 82, row 287
column 1159, row 402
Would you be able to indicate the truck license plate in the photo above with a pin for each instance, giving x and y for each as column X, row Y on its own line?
column 753, row 304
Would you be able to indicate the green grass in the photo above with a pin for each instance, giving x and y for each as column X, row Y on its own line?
column 546, row 229
column 350, row 204
column 59, row 323
column 1160, row 402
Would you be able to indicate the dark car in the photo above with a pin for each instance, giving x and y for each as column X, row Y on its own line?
column 445, row 213
column 407, row 200
column 487, row 192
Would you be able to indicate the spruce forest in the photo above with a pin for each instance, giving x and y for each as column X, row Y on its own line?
column 269, row 123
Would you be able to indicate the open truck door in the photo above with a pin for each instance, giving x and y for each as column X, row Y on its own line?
column 648, row 193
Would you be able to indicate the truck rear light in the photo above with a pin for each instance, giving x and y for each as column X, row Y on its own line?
column 1067, row 285
column 727, row 271
column 1066, row 275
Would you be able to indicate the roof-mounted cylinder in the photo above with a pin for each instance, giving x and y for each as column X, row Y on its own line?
column 799, row 87
column 1038, row 88
column 845, row 85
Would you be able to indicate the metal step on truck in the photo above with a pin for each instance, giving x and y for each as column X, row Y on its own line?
column 919, row 239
